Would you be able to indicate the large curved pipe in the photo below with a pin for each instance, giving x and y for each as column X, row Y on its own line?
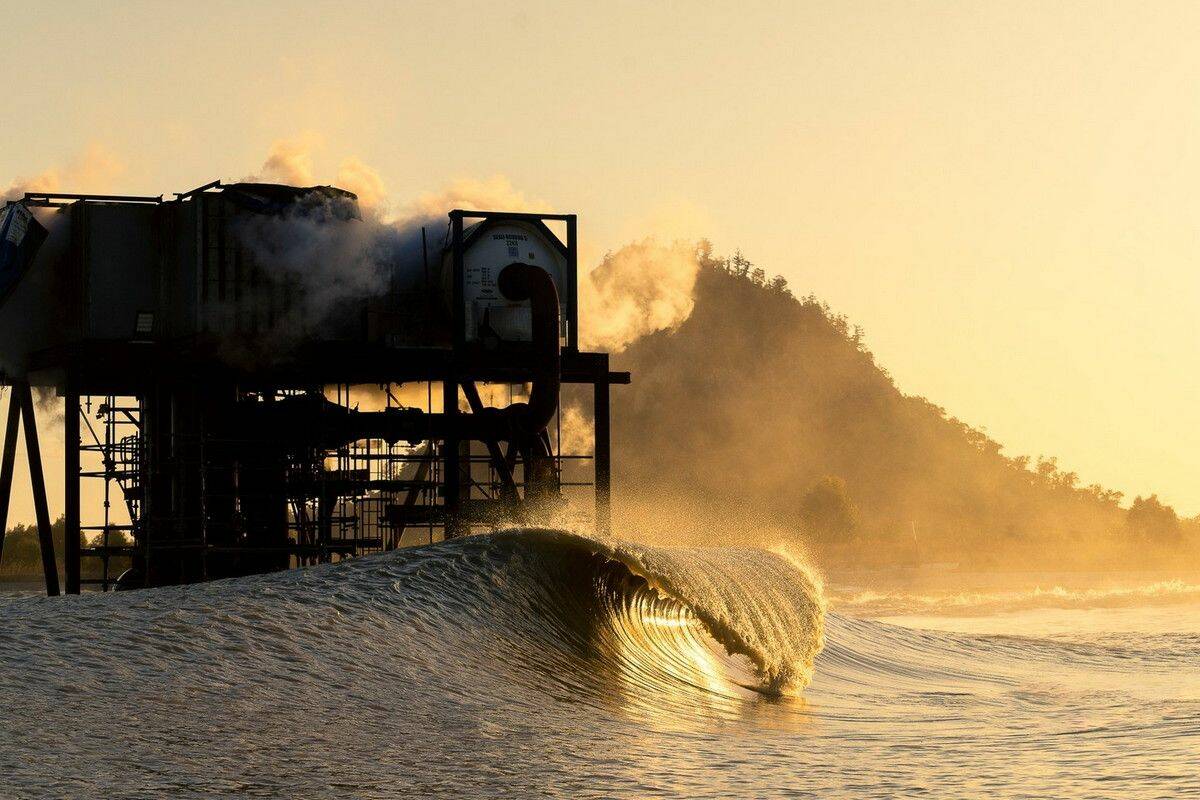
column 519, row 282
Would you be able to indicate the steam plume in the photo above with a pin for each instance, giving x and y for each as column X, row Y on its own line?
column 94, row 170
column 340, row 262
column 355, row 176
column 492, row 194
column 642, row 288
column 331, row 262
column 288, row 161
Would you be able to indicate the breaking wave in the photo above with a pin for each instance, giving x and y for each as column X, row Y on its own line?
column 716, row 619
column 765, row 607
column 594, row 619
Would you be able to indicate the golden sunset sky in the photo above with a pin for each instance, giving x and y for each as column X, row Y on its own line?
column 1006, row 195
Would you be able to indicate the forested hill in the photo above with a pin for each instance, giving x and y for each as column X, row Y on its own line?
column 766, row 402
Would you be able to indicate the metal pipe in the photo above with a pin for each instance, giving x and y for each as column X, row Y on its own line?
column 519, row 282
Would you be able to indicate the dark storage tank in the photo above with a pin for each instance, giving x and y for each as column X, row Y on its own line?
column 97, row 269
column 123, row 271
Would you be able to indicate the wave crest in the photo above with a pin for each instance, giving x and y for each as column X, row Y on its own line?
column 760, row 605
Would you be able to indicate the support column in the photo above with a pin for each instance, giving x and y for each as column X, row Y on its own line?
column 602, row 456
column 451, row 474
column 11, row 431
column 451, row 477
column 38, row 480
column 71, row 554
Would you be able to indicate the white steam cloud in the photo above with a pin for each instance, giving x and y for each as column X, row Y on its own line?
column 339, row 263
column 491, row 194
column 93, row 170
column 640, row 289
column 288, row 161
column 331, row 263
column 355, row 176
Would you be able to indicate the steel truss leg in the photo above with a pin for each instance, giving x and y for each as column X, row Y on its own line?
column 38, row 479
column 452, row 474
column 11, row 431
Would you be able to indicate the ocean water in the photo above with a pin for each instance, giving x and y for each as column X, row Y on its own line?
column 543, row 664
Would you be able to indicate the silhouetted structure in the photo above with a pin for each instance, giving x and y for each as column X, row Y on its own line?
column 210, row 389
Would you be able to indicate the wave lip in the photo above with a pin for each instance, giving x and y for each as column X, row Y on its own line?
column 661, row 604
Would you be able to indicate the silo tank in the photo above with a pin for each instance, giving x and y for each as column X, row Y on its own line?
column 490, row 246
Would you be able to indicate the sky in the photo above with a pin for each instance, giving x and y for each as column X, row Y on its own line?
column 1004, row 195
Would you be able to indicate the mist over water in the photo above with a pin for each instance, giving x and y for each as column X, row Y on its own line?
column 542, row 663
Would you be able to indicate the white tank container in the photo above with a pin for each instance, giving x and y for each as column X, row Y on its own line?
column 488, row 248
